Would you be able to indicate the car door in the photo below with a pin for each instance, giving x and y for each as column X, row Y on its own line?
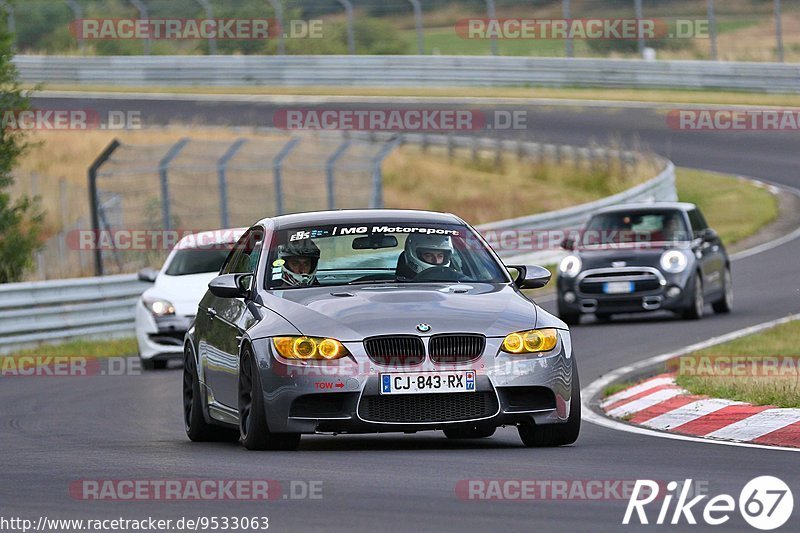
column 709, row 251
column 229, row 318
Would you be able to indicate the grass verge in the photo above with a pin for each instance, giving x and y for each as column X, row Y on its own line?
column 766, row 373
column 735, row 208
column 657, row 96
column 83, row 348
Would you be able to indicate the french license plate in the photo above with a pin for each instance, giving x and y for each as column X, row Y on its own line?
column 428, row 382
column 618, row 287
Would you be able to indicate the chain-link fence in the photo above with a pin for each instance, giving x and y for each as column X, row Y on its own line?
column 192, row 185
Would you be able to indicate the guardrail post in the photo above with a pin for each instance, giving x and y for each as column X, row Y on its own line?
column 418, row 24
column 351, row 36
column 222, row 168
column 491, row 14
column 330, row 168
column 278, row 8
column 163, row 168
column 712, row 29
column 94, row 201
column 451, row 148
column 377, row 174
column 142, row 8
column 567, row 12
column 212, row 41
column 779, row 30
column 277, row 173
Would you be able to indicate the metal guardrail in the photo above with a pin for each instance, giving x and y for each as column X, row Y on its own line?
column 48, row 311
column 404, row 71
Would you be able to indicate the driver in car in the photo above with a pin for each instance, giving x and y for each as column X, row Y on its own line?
column 298, row 261
column 423, row 252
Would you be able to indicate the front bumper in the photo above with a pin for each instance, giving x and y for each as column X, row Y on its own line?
column 160, row 337
column 509, row 390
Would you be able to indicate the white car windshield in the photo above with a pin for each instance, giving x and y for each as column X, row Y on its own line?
column 197, row 260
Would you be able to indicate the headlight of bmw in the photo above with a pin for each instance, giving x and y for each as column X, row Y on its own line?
column 570, row 266
column 158, row 306
column 531, row 341
column 674, row 261
column 309, row 348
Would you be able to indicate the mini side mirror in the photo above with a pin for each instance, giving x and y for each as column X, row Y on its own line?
column 147, row 274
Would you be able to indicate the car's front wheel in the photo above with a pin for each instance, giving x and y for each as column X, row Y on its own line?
column 557, row 434
column 197, row 429
column 698, row 303
column 253, row 426
column 725, row 304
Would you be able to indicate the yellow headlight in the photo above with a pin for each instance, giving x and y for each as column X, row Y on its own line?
column 531, row 341
column 306, row 348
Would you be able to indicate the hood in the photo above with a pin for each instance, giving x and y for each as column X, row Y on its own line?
column 351, row 313
column 184, row 292
column 630, row 255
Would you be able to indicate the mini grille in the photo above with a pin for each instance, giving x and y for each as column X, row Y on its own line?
column 395, row 350
column 456, row 348
column 441, row 407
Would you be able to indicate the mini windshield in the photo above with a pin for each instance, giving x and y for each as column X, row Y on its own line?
column 376, row 253
column 635, row 227
column 197, row 260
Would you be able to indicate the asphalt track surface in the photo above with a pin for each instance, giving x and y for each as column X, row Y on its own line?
column 58, row 430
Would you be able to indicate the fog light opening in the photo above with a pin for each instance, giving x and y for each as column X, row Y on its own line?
column 673, row 292
column 569, row 297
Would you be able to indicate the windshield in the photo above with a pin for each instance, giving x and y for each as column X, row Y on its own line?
column 379, row 253
column 198, row 261
column 635, row 227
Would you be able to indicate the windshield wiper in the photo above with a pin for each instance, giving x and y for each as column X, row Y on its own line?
column 371, row 281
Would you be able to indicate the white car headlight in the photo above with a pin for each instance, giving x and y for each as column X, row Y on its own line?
column 158, row 306
column 674, row 261
column 570, row 266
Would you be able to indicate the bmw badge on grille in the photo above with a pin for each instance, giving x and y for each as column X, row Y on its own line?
column 424, row 328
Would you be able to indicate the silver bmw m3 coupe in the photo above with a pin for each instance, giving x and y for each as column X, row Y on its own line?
column 365, row 321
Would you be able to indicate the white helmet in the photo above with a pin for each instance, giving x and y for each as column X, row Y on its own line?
column 302, row 248
column 416, row 245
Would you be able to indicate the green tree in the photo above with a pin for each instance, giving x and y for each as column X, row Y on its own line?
column 20, row 218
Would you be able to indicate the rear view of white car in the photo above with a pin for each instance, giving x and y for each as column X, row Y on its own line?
column 166, row 310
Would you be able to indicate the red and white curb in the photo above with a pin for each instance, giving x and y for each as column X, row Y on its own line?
column 658, row 403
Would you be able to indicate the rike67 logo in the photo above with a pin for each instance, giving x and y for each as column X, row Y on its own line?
column 765, row 503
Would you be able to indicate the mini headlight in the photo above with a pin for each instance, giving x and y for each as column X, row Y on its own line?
column 159, row 307
column 570, row 266
column 306, row 348
column 531, row 341
column 673, row 261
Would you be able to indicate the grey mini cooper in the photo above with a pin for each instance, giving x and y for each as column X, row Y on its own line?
column 367, row 321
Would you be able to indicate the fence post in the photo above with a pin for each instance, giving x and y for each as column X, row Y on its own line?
column 77, row 12
column 567, row 12
column 94, row 201
column 278, row 8
column 418, row 24
column 779, row 30
column 212, row 41
column 222, row 168
column 142, row 8
column 491, row 14
column 330, row 167
column 163, row 168
column 637, row 5
column 10, row 20
column 351, row 36
column 277, row 171
column 377, row 174
column 712, row 29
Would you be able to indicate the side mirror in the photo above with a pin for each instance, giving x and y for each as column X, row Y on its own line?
column 147, row 274
column 231, row 285
column 709, row 235
column 531, row 276
column 568, row 244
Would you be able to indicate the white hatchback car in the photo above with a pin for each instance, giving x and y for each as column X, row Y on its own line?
column 167, row 309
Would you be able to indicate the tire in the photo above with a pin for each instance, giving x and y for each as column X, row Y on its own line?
column 469, row 433
column 253, row 428
column 697, row 305
column 153, row 364
column 550, row 435
column 725, row 304
column 197, row 429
